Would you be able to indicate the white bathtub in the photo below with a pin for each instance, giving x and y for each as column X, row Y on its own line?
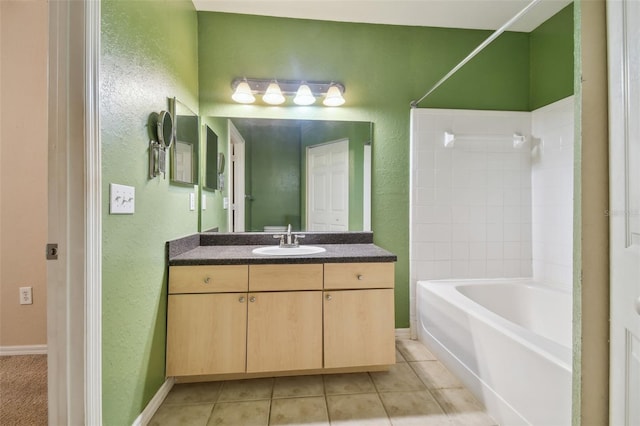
column 508, row 340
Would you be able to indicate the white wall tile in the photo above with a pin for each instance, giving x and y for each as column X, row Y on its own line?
column 471, row 201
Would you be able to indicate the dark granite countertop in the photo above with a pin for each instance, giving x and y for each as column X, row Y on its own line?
column 207, row 249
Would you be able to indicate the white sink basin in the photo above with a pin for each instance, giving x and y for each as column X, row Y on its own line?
column 288, row 251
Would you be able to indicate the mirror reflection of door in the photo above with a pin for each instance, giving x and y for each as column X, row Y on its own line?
column 237, row 182
column 328, row 186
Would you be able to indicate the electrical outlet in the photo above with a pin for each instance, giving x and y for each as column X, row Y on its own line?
column 26, row 296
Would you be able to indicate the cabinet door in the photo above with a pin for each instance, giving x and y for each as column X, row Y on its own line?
column 284, row 331
column 359, row 328
column 206, row 334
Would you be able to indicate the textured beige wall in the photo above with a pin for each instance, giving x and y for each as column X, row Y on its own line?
column 591, row 272
column 23, row 169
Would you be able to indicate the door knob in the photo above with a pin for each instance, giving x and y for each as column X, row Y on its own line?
column 241, row 299
column 252, row 299
column 329, row 297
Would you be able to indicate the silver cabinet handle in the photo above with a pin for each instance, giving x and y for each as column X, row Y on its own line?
column 252, row 299
column 207, row 280
column 329, row 297
column 360, row 277
column 241, row 299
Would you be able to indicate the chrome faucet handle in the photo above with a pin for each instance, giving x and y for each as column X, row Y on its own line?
column 281, row 238
column 295, row 238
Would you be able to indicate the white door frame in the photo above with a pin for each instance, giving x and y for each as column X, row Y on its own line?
column 236, row 180
column 624, row 245
column 74, row 215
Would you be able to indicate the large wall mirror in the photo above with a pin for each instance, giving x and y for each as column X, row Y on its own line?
column 184, row 151
column 312, row 174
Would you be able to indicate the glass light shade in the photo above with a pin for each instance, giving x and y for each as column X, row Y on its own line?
column 304, row 96
column 334, row 97
column 273, row 95
column 243, row 94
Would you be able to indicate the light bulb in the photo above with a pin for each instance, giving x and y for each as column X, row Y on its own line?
column 273, row 95
column 243, row 94
column 304, row 95
column 334, row 96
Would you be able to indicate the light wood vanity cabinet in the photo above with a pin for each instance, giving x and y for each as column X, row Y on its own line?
column 284, row 331
column 359, row 323
column 206, row 333
column 257, row 319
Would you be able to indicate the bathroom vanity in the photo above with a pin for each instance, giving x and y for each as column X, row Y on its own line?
column 233, row 313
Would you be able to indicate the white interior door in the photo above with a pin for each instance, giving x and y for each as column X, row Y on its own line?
column 624, row 109
column 328, row 186
column 236, row 184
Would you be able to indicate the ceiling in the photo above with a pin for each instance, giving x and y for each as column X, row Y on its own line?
column 472, row 14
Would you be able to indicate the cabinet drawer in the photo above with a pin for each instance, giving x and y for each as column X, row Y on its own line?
column 285, row 277
column 208, row 279
column 358, row 275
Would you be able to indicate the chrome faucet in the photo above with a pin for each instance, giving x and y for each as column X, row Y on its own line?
column 286, row 239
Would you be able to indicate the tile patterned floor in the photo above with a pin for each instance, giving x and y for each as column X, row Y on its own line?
column 417, row 390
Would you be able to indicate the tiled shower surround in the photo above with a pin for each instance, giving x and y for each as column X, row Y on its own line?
column 552, row 195
column 484, row 208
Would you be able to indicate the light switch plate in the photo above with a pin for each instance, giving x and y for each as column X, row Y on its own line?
column 122, row 199
column 203, row 203
column 192, row 201
column 225, row 203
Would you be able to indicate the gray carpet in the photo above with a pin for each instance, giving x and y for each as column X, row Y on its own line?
column 23, row 390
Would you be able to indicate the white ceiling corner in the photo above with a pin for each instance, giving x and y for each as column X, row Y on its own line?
column 471, row 14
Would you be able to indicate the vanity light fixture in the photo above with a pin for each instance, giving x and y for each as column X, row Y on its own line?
column 334, row 96
column 243, row 93
column 275, row 92
column 273, row 95
column 304, row 95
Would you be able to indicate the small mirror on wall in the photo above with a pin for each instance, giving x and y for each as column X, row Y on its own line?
column 211, row 160
column 158, row 149
column 184, row 153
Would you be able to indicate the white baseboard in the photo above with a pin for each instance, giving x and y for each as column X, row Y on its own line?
column 145, row 417
column 403, row 333
column 23, row 350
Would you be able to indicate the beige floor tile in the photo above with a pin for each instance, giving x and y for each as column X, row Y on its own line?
column 435, row 375
column 193, row 393
column 299, row 411
column 338, row 384
column 400, row 377
column 364, row 409
column 463, row 408
column 399, row 357
column 414, row 409
column 298, row 386
column 179, row 415
column 414, row 350
column 246, row 390
column 245, row 413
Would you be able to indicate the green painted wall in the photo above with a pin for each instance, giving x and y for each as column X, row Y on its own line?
column 551, row 46
column 272, row 175
column 148, row 54
column 383, row 68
